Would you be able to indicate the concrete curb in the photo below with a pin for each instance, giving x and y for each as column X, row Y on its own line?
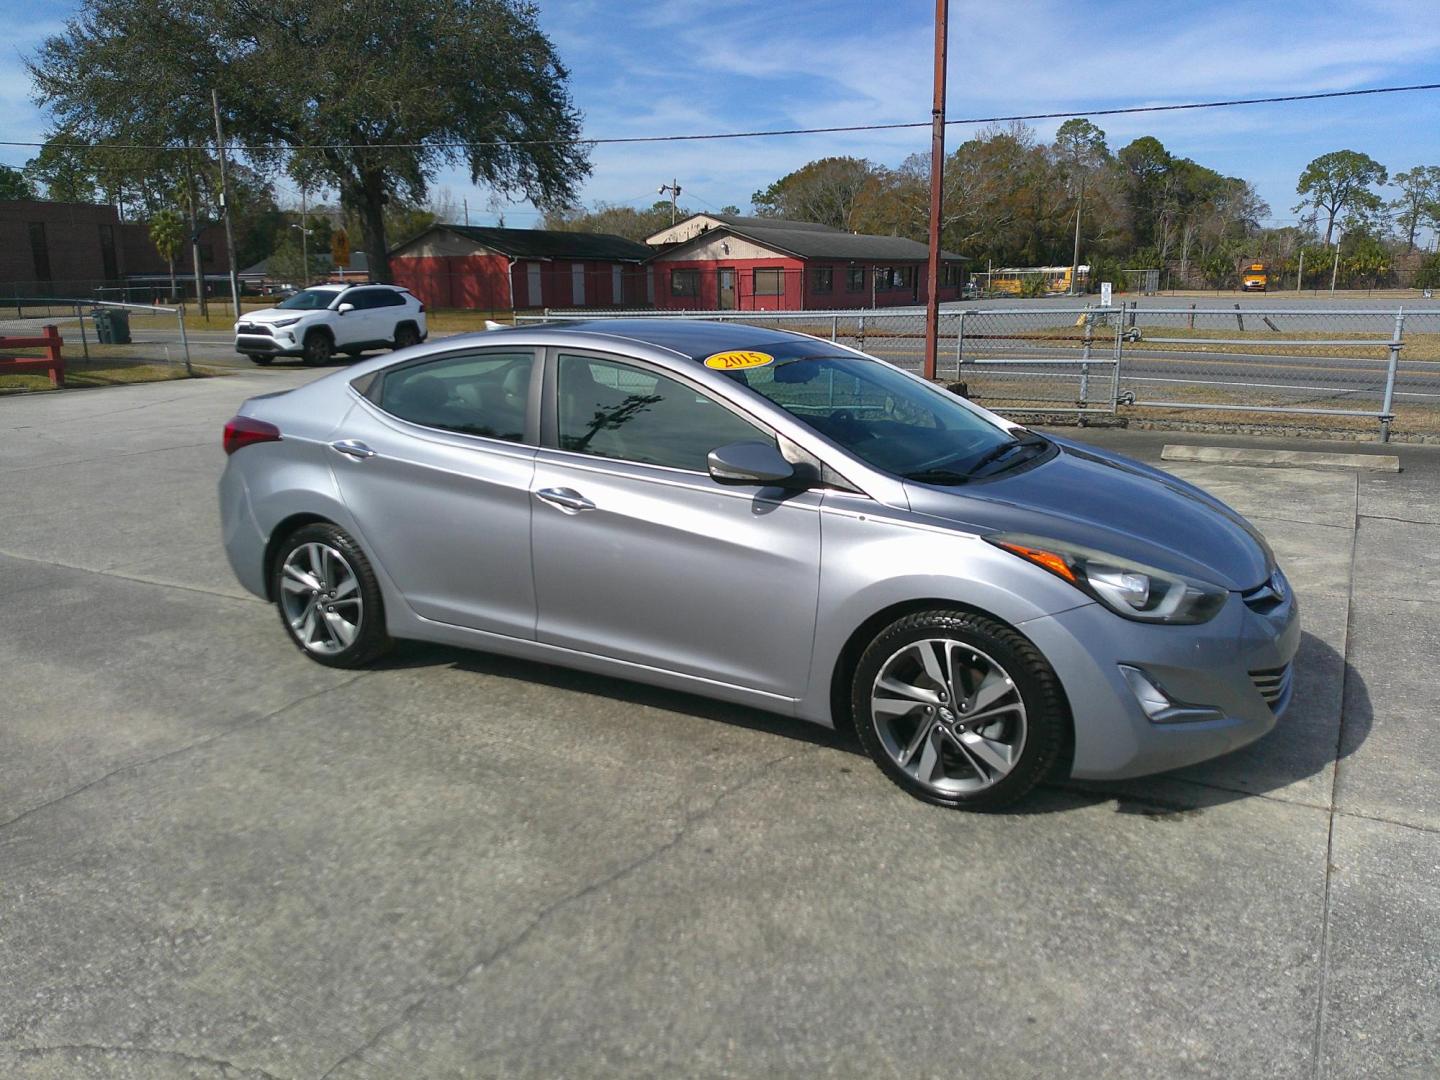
column 1284, row 459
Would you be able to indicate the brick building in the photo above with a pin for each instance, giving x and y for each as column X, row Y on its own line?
column 54, row 249
column 462, row 266
column 770, row 264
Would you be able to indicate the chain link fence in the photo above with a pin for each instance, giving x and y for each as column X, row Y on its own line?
column 104, row 342
column 1352, row 369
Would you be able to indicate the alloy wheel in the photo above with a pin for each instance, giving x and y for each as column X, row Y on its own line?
column 320, row 598
column 949, row 716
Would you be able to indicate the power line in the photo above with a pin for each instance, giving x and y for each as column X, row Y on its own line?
column 618, row 140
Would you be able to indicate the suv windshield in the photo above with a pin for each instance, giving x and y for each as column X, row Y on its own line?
column 309, row 299
column 888, row 420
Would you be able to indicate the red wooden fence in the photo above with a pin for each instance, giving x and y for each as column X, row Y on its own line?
column 52, row 362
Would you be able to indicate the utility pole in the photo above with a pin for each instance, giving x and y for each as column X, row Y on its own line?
column 1335, row 270
column 225, row 207
column 1300, row 274
column 937, row 183
column 466, row 201
column 1075, row 255
column 304, row 238
column 674, row 189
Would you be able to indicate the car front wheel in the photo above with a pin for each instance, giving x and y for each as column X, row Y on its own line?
column 328, row 597
column 318, row 348
column 959, row 709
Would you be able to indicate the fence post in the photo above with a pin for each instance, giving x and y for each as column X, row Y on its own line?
column 834, row 326
column 1192, row 316
column 861, row 346
column 1391, row 369
column 84, row 340
column 184, row 341
column 52, row 353
column 1085, row 365
column 1115, row 367
column 960, row 344
column 1240, row 319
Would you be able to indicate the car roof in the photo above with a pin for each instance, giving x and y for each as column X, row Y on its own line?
column 337, row 286
column 697, row 338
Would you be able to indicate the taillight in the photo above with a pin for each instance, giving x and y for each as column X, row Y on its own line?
column 244, row 430
column 422, row 306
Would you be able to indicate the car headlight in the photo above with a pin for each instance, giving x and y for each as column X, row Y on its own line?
column 1127, row 588
column 286, row 322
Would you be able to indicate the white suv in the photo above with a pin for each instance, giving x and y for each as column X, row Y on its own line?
column 322, row 320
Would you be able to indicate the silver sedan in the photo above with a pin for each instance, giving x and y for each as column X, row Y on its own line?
column 774, row 520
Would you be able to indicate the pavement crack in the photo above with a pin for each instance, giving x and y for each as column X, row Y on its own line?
column 247, row 599
column 136, row 766
column 1387, row 517
column 175, row 1055
column 687, row 823
column 1317, row 1064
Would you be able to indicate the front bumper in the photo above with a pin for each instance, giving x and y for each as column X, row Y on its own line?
column 1238, row 665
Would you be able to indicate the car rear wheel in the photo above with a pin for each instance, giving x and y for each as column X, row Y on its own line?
column 328, row 598
column 406, row 335
column 318, row 348
column 958, row 709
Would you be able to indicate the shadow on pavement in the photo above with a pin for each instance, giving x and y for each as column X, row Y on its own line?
column 1303, row 744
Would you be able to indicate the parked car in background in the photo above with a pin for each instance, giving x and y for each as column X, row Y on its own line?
column 771, row 519
column 317, row 322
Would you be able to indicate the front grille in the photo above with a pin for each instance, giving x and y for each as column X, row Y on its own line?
column 1265, row 598
column 1273, row 684
column 254, row 328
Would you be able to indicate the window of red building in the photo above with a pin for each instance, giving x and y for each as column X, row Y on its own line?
column 770, row 282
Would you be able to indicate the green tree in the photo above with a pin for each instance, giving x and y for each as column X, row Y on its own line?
column 63, row 173
column 824, row 191
column 1419, row 200
column 614, row 219
column 14, row 184
column 386, row 96
column 167, row 233
column 1338, row 181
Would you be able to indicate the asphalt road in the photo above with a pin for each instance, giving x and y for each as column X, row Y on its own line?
column 219, row 860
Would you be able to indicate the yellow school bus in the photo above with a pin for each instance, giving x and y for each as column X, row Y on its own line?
column 1254, row 278
column 1056, row 279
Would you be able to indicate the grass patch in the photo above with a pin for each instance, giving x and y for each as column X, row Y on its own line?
column 96, row 372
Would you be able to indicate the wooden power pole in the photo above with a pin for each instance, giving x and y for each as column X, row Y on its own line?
column 225, row 207
column 937, row 184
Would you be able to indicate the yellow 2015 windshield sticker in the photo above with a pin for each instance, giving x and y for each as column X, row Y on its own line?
column 738, row 360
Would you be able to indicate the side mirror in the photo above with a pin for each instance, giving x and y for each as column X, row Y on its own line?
column 749, row 463
column 345, row 308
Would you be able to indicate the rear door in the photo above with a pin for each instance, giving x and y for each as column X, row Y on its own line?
column 435, row 464
column 639, row 555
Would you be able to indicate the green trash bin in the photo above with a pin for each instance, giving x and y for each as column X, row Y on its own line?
column 119, row 326
column 112, row 326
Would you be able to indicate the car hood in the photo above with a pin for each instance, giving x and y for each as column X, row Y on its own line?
column 1106, row 501
column 271, row 314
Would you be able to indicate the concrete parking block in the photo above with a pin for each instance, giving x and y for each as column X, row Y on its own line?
column 1382, row 1011
column 1283, row 459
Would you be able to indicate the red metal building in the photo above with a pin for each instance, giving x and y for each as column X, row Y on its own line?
column 769, row 264
column 462, row 266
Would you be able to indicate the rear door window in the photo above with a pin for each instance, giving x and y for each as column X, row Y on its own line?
column 481, row 394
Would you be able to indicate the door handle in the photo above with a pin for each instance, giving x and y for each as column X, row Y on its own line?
column 567, row 499
column 353, row 448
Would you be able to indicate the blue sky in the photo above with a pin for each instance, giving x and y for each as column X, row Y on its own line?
column 697, row 66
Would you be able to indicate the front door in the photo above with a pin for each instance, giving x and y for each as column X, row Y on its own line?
column 727, row 288
column 639, row 555
column 435, row 470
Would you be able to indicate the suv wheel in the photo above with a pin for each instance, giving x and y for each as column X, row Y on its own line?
column 318, row 348
column 406, row 335
column 958, row 709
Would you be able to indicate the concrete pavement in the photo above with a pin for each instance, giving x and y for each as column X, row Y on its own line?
column 220, row 860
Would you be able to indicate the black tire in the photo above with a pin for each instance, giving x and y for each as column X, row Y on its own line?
column 406, row 335
column 319, row 348
column 1045, row 717
column 264, row 360
column 370, row 639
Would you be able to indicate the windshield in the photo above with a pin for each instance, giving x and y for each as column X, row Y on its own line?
column 886, row 419
column 309, row 300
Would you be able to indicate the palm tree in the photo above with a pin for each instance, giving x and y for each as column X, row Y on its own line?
column 167, row 233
